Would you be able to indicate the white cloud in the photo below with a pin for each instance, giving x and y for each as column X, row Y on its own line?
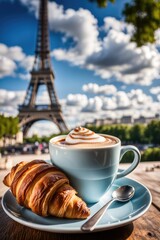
column 155, row 90
column 42, row 97
column 97, row 89
column 43, row 128
column 81, row 109
column 112, row 56
column 25, row 76
column 94, row 105
column 119, row 101
column 133, row 102
column 109, row 103
column 79, row 25
column 122, row 100
column 77, row 100
column 8, row 111
column 7, row 67
column 10, row 100
column 27, row 63
column 120, row 26
column 32, row 4
column 139, row 98
column 157, row 37
column 122, row 59
column 14, row 53
column 9, row 56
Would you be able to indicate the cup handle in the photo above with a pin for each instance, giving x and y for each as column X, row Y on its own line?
column 136, row 160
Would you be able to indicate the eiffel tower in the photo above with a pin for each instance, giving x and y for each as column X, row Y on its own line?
column 41, row 74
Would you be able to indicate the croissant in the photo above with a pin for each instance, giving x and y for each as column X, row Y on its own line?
column 45, row 190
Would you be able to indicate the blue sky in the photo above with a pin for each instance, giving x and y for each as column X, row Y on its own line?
column 19, row 27
column 98, row 70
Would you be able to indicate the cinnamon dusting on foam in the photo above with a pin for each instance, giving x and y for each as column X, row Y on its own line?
column 81, row 135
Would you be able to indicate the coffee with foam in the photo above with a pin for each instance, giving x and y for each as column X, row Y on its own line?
column 83, row 137
column 90, row 160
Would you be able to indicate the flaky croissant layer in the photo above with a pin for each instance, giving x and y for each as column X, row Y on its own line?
column 45, row 190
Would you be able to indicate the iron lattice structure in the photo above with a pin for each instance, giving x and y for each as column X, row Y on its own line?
column 41, row 74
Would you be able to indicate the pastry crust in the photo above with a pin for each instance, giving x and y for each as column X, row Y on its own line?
column 45, row 190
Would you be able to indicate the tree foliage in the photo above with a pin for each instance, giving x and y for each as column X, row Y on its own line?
column 138, row 133
column 135, row 134
column 152, row 132
column 33, row 139
column 145, row 17
column 102, row 3
column 151, row 154
column 120, row 131
column 8, row 126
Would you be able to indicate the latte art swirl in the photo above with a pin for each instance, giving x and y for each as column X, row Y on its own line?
column 81, row 135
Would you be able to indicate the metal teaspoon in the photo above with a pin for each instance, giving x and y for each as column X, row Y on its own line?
column 122, row 194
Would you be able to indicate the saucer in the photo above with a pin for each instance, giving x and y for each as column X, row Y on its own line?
column 118, row 214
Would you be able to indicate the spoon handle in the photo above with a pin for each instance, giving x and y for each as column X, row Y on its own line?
column 90, row 224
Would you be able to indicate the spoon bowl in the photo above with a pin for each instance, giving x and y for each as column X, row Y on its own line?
column 122, row 194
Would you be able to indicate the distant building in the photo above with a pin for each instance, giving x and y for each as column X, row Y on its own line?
column 123, row 120
column 141, row 119
column 157, row 116
column 127, row 120
column 100, row 122
column 144, row 120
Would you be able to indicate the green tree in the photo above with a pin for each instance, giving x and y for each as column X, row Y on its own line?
column 145, row 16
column 102, row 3
column 12, row 126
column 2, row 130
column 137, row 133
column 35, row 138
column 152, row 132
column 45, row 139
column 121, row 131
column 9, row 127
column 151, row 154
column 2, row 127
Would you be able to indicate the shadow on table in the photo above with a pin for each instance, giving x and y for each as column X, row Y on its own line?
column 14, row 231
column 120, row 233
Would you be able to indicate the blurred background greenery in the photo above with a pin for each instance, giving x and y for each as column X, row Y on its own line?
column 145, row 136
